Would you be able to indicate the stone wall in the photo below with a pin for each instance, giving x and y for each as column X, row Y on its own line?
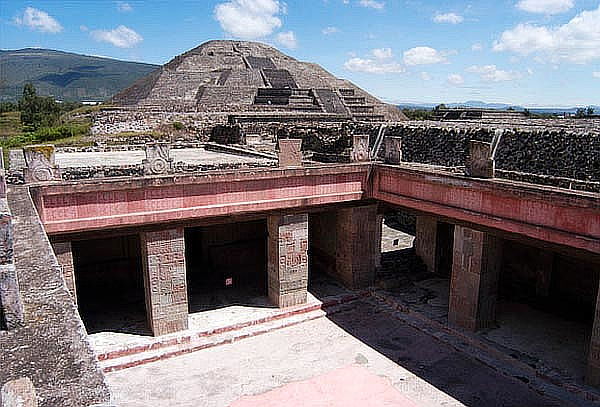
column 51, row 348
column 556, row 153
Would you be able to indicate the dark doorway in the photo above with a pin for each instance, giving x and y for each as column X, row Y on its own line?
column 226, row 265
column 546, row 307
column 110, row 285
column 444, row 249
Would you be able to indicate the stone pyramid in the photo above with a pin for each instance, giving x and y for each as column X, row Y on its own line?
column 252, row 78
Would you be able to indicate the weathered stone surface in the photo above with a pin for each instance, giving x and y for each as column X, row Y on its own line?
column 158, row 159
column 163, row 256
column 475, row 274
column 6, row 233
column 52, row 347
column 480, row 163
column 288, row 259
column 40, row 161
column 290, row 153
column 250, row 77
column 11, row 305
column 358, row 245
column 393, row 150
column 360, row 148
column 592, row 376
column 426, row 241
column 18, row 393
column 64, row 255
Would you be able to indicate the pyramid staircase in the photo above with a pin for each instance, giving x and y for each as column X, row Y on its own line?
column 358, row 106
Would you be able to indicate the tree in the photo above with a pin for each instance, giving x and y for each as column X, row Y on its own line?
column 589, row 111
column 37, row 111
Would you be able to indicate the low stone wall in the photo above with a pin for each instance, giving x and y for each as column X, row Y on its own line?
column 51, row 347
column 556, row 153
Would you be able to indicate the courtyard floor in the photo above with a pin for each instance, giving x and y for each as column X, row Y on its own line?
column 360, row 356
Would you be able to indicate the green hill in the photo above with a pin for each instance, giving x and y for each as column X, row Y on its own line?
column 66, row 76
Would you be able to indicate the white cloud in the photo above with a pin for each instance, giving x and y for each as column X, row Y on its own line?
column 122, row 37
column 545, row 6
column 477, row 47
column 38, row 20
column 423, row 56
column 455, row 79
column 84, row 28
column 491, row 73
column 124, row 7
column 330, row 30
column 451, row 18
column 425, row 76
column 596, row 75
column 381, row 63
column 287, row 39
column 382, row 53
column 576, row 41
column 377, row 5
column 249, row 19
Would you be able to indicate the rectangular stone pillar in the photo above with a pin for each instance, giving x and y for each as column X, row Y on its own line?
column 163, row 256
column 288, row 259
column 64, row 255
column 480, row 162
column 426, row 241
column 474, row 283
column 358, row 246
column 592, row 376
column 290, row 153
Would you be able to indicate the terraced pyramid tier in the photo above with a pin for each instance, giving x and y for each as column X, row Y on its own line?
column 236, row 76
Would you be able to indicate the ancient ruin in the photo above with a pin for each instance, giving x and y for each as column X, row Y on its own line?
column 252, row 82
column 297, row 178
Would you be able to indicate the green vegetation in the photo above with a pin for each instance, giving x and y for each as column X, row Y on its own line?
column 40, row 120
column 178, row 126
column 583, row 112
column 418, row 114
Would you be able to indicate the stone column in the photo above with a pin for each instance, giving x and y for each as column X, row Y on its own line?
column 64, row 255
column 163, row 256
column 474, row 283
column 290, row 153
column 360, row 148
column 393, row 150
column 40, row 164
column 480, row 163
column 358, row 246
column 18, row 393
column 592, row 376
column 288, row 259
column 158, row 159
column 426, row 241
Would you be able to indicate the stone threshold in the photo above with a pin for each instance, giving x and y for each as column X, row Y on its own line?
column 152, row 349
column 543, row 379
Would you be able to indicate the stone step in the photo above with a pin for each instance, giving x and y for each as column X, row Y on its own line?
column 361, row 108
column 354, row 100
column 346, row 92
column 159, row 348
column 187, row 344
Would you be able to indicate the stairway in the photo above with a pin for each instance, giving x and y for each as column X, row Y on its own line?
column 358, row 106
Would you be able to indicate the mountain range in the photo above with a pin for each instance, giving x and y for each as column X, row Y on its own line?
column 65, row 75
column 477, row 104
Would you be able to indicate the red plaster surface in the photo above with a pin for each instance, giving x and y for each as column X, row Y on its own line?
column 115, row 204
column 548, row 214
column 345, row 387
column 571, row 219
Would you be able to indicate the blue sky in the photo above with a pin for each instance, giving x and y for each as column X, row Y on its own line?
column 529, row 52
